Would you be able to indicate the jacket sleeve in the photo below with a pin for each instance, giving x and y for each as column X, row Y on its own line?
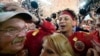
column 48, row 26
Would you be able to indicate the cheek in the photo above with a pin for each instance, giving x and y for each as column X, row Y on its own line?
column 69, row 23
column 5, row 40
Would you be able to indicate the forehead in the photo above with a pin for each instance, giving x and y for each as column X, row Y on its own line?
column 17, row 22
column 64, row 15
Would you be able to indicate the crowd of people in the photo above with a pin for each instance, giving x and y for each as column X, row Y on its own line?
column 25, row 34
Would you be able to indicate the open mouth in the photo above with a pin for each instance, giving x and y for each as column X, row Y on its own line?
column 62, row 26
column 18, row 40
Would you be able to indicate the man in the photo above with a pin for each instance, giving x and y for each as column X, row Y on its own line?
column 80, row 41
column 33, row 42
column 13, row 30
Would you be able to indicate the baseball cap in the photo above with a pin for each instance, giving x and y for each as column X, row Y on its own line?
column 9, row 14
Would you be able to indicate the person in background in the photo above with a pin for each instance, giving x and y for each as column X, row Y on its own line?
column 96, row 40
column 34, row 37
column 56, row 44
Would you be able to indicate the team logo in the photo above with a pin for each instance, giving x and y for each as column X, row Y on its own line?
column 79, row 45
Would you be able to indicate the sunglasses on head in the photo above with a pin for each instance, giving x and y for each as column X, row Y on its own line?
column 3, row 8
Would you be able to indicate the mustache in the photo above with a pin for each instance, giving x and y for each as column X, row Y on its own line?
column 18, row 40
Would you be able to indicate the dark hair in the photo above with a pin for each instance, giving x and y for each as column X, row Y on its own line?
column 53, row 15
column 71, row 12
column 98, row 11
column 83, row 12
column 48, row 19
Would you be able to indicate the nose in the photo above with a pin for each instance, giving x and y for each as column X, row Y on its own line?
column 62, row 20
column 22, row 34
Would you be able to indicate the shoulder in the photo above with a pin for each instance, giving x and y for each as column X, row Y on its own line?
column 33, row 32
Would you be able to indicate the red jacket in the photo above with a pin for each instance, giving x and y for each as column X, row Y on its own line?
column 34, row 38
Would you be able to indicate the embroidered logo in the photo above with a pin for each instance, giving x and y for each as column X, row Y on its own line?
column 79, row 45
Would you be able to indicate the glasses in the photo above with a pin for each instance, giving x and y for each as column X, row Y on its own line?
column 14, row 31
column 3, row 8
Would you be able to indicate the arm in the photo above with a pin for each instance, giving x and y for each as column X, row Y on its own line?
column 23, row 52
column 96, row 46
column 45, row 25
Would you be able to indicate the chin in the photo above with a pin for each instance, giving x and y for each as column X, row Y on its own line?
column 16, row 49
column 12, row 49
column 63, row 31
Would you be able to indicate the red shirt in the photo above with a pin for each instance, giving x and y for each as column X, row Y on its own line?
column 34, row 41
column 96, row 36
column 81, row 42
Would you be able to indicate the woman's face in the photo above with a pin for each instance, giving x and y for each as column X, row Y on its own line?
column 48, row 50
column 12, row 36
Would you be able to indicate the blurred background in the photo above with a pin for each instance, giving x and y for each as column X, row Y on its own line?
column 47, row 7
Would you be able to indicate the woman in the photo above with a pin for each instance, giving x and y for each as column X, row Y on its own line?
column 56, row 45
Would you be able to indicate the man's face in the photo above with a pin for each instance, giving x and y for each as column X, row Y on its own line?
column 12, row 35
column 48, row 50
column 65, row 23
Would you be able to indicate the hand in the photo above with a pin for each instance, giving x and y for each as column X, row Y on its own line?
column 22, row 53
column 96, row 46
column 92, row 52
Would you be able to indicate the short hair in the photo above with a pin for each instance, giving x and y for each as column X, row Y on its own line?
column 71, row 12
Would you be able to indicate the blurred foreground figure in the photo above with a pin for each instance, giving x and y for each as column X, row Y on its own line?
column 33, row 42
column 12, row 32
column 56, row 45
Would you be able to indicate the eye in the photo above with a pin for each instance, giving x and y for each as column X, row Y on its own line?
column 11, row 29
column 60, row 19
column 66, row 18
column 49, row 51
